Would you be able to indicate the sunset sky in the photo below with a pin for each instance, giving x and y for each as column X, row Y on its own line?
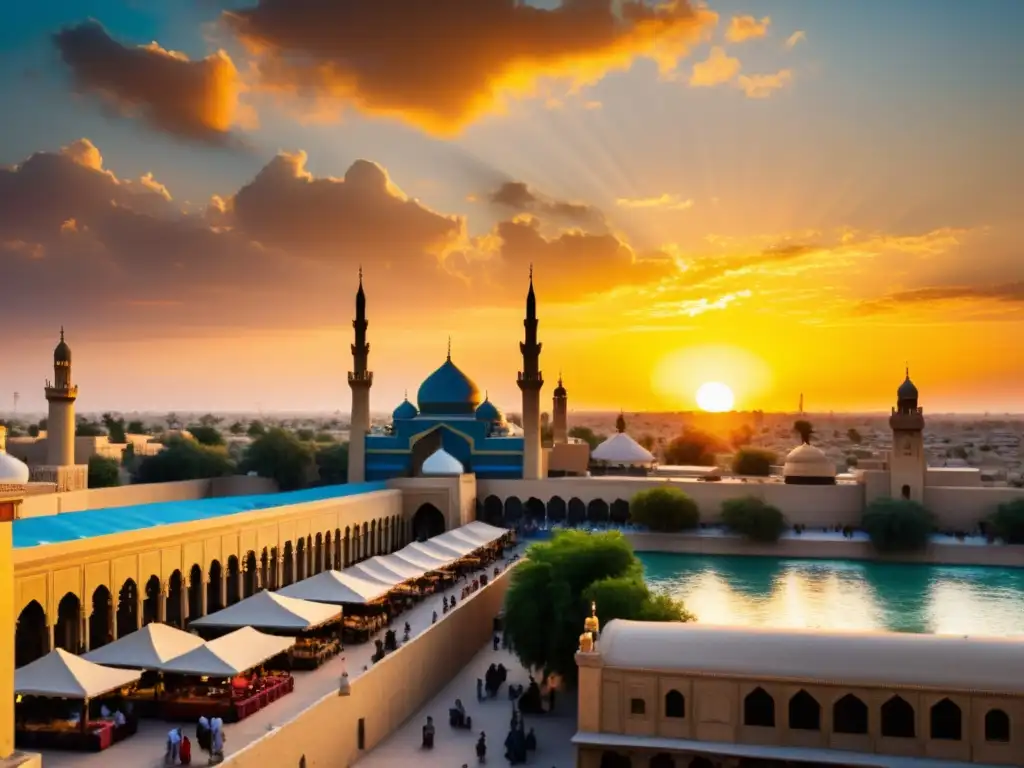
column 782, row 195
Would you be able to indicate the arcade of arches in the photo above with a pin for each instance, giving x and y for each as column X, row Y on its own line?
column 84, row 622
column 571, row 511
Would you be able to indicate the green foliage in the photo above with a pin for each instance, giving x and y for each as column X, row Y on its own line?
column 586, row 434
column 115, row 429
column 332, row 464
column 664, row 509
column 854, row 436
column 184, row 459
column 135, row 427
column 33, row 430
column 693, row 448
column 1008, row 521
column 753, row 461
column 803, row 428
column 206, row 434
column 256, row 429
column 281, row 456
column 324, row 437
column 754, row 519
column 237, row 428
column 209, row 420
column 551, row 591
column 305, row 434
column 898, row 525
column 104, row 472
column 88, row 429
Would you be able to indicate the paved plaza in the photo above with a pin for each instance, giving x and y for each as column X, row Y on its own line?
column 455, row 747
column 146, row 748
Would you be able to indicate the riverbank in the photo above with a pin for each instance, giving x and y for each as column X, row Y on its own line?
column 826, row 547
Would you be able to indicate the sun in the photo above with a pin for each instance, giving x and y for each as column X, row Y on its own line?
column 715, row 397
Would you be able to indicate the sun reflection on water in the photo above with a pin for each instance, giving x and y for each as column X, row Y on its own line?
column 842, row 595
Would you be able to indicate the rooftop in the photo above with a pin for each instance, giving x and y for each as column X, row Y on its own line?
column 73, row 526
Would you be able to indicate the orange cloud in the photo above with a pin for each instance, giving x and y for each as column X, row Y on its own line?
column 441, row 65
column 747, row 28
column 191, row 99
column 665, row 202
column 518, row 197
column 763, row 86
column 1004, row 293
column 716, row 69
column 796, row 37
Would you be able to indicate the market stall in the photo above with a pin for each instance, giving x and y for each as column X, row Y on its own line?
column 149, row 648
column 364, row 600
column 60, row 703
column 222, row 678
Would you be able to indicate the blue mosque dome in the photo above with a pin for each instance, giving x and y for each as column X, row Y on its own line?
column 405, row 410
column 489, row 412
column 449, row 392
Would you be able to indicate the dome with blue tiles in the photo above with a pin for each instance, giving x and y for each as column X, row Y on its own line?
column 448, row 392
column 405, row 410
column 488, row 411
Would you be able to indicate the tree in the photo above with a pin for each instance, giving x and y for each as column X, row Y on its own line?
column 586, row 434
column 172, row 420
column 33, row 430
column 756, row 462
column 754, row 519
column 332, row 464
column 803, row 428
column 256, row 429
column 135, row 427
column 898, row 525
column 88, row 429
column 569, row 571
column 741, row 436
column 206, row 434
column 237, row 428
column 693, row 447
column 665, row 509
column 115, row 428
column 209, row 420
column 305, row 434
column 184, row 459
column 104, row 472
column 1008, row 521
column 281, row 456
column 647, row 441
column 854, row 436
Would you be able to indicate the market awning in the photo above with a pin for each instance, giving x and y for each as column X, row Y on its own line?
column 484, row 530
column 437, row 551
column 60, row 674
column 336, row 587
column 148, row 648
column 398, row 565
column 271, row 610
column 230, row 655
column 463, row 545
column 372, row 571
column 420, row 559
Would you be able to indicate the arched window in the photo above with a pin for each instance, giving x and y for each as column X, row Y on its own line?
column 997, row 726
column 850, row 716
column 946, row 721
column 759, row 709
column 675, row 704
column 804, row 712
column 637, row 707
column 898, row 719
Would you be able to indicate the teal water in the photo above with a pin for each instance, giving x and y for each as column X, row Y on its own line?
column 842, row 594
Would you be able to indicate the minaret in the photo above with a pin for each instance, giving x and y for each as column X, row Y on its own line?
column 907, row 463
column 560, row 414
column 530, row 382
column 360, row 379
column 60, row 422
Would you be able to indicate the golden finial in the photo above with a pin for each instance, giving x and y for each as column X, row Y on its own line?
column 62, row 333
column 531, row 271
column 591, row 624
column 449, row 349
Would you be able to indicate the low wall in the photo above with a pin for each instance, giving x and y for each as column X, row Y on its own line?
column 962, row 508
column 938, row 554
column 385, row 696
column 143, row 493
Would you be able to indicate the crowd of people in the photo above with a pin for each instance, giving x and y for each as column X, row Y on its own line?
column 209, row 737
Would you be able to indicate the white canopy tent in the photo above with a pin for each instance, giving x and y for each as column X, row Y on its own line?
column 484, row 530
column 376, row 571
column 436, row 551
column 398, row 565
column 336, row 587
column 60, row 674
column 230, row 655
column 271, row 610
column 476, row 540
column 148, row 648
column 450, row 540
column 621, row 449
column 422, row 560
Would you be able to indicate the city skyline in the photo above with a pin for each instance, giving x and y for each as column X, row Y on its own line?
column 745, row 193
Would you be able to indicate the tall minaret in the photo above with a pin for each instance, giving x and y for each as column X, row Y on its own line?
column 560, row 414
column 530, row 382
column 360, row 379
column 60, row 422
column 907, row 464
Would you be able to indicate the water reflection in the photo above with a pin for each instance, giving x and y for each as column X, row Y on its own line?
column 839, row 594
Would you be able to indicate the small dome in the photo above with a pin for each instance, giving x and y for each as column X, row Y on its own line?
column 559, row 390
column 440, row 462
column 448, row 391
column 489, row 412
column 62, row 352
column 620, row 448
column 405, row 410
column 807, row 461
column 907, row 390
column 12, row 471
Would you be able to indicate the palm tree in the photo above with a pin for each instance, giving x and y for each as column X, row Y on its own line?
column 803, row 428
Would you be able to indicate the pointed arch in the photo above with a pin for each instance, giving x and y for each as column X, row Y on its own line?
column 534, row 510
column 151, row 603
column 128, row 608
column 675, row 704
column 850, row 716
column 288, row 566
column 336, row 560
column 427, row 522
column 804, row 712
column 997, row 727
column 946, row 721
column 213, row 600
column 264, row 570
column 300, row 559
column 513, row 511
column 556, row 509
column 31, row 635
column 249, row 574
column 172, row 609
column 618, row 513
column 898, row 719
column 67, row 630
column 328, row 551
column 576, row 512
column 597, row 511
column 371, row 550
column 494, row 510
column 759, row 709
column 346, row 557
column 101, row 626
column 196, row 586
column 234, row 592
